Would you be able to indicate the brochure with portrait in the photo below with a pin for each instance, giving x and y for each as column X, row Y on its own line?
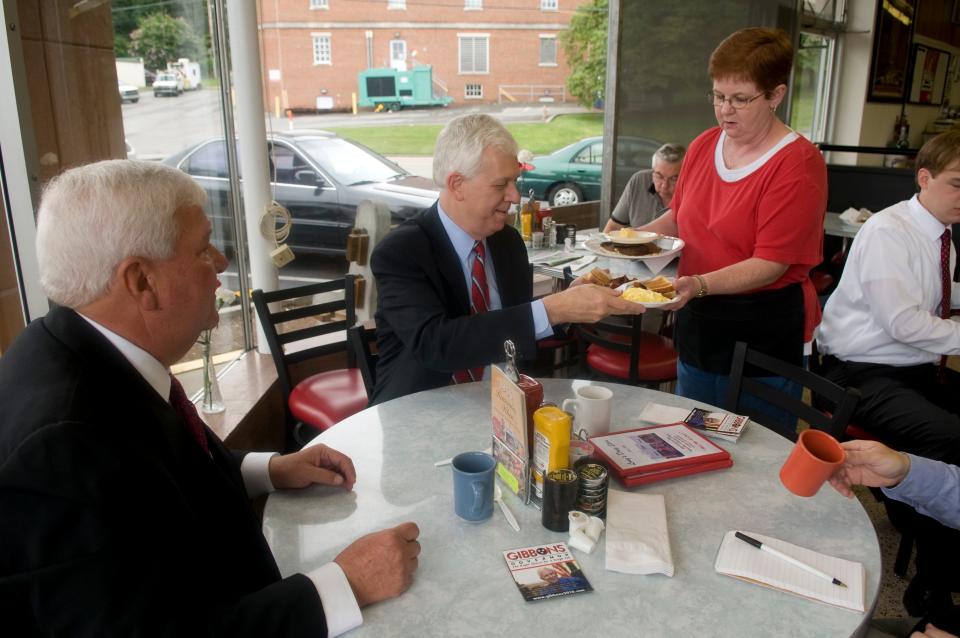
column 546, row 571
column 658, row 452
column 510, row 441
column 719, row 425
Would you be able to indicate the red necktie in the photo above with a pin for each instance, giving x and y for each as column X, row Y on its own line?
column 184, row 407
column 947, row 284
column 478, row 304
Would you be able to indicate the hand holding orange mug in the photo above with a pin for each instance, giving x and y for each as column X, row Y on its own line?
column 814, row 459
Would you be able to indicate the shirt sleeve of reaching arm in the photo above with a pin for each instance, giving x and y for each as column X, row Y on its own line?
column 932, row 488
column 541, row 324
column 255, row 470
column 339, row 604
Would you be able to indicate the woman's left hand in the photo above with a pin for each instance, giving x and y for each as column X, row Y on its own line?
column 687, row 288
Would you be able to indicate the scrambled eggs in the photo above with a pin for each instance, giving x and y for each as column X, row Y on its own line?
column 641, row 295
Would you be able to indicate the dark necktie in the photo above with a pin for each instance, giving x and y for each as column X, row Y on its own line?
column 184, row 407
column 478, row 303
column 947, row 282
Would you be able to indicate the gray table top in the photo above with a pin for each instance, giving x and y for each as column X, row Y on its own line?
column 462, row 586
column 833, row 225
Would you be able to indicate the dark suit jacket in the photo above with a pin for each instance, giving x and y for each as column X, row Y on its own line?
column 425, row 331
column 113, row 521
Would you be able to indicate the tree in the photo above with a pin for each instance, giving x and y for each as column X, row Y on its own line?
column 585, row 47
column 160, row 38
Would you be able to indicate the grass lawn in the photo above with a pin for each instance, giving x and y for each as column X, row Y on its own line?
column 419, row 139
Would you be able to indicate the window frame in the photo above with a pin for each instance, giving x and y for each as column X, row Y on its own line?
column 486, row 51
column 473, row 5
column 545, row 37
column 317, row 49
column 396, row 5
column 319, row 4
column 466, row 91
column 549, row 5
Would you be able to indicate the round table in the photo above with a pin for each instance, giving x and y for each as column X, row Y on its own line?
column 463, row 587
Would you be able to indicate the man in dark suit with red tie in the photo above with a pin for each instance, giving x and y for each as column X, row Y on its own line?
column 120, row 512
column 454, row 282
column 887, row 329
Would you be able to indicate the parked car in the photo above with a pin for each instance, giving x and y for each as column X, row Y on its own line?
column 128, row 93
column 572, row 174
column 168, row 83
column 319, row 177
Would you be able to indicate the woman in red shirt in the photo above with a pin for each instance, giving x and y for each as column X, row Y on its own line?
column 749, row 205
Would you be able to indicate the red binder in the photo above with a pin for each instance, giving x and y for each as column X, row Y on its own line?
column 649, row 454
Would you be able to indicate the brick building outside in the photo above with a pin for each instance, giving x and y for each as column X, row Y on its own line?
column 481, row 51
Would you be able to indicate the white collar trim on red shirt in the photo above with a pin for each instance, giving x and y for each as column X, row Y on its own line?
column 733, row 175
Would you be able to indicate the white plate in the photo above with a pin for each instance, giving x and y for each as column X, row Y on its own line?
column 646, row 304
column 670, row 246
column 638, row 237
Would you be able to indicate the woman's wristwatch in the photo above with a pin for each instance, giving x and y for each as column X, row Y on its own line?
column 703, row 286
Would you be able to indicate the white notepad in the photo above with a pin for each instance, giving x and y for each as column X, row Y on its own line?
column 742, row 560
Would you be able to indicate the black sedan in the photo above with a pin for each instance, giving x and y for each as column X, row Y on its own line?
column 319, row 177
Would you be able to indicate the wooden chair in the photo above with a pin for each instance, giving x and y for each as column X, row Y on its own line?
column 361, row 342
column 618, row 349
column 324, row 399
column 844, row 401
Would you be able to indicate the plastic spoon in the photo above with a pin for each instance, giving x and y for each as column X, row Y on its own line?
column 498, row 497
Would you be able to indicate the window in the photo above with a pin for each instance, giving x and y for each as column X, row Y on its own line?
column 319, row 4
column 472, row 5
column 321, row 49
column 398, row 54
column 473, row 91
column 210, row 160
column 474, row 54
column 593, row 154
column 549, row 5
column 396, row 4
column 811, row 85
column 548, row 50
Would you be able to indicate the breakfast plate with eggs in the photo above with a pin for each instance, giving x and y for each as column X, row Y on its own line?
column 651, row 293
column 629, row 236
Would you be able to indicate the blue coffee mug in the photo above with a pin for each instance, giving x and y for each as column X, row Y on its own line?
column 473, row 485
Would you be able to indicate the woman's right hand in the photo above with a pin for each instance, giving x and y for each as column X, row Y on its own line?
column 686, row 289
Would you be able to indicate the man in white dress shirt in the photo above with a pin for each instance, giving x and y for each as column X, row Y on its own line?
column 885, row 330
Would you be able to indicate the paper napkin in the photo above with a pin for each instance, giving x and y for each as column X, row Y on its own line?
column 637, row 537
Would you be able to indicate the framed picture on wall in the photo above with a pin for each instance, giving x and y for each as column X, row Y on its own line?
column 892, row 34
column 928, row 78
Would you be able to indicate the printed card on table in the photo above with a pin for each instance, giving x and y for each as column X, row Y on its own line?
column 510, row 449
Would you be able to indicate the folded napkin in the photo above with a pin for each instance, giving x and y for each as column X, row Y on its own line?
column 637, row 538
column 656, row 264
column 855, row 215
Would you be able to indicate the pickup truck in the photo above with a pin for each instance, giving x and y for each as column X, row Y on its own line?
column 168, row 84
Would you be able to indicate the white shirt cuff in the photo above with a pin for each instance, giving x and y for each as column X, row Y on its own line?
column 339, row 604
column 255, row 469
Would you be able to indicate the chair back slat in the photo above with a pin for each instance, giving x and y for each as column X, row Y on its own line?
column 605, row 333
column 844, row 399
column 361, row 341
column 276, row 340
column 319, row 330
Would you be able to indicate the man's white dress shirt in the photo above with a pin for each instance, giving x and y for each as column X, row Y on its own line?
column 886, row 308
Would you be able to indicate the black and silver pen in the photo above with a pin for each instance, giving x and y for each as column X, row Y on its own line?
column 789, row 559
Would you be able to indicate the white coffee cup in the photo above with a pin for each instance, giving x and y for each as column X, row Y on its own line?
column 591, row 410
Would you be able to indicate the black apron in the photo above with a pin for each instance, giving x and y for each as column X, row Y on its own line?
column 770, row 321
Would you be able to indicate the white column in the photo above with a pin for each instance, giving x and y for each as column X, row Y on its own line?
column 252, row 135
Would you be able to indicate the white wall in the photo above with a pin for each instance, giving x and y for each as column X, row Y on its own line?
column 861, row 123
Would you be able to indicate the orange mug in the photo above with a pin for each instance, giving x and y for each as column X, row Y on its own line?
column 814, row 459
